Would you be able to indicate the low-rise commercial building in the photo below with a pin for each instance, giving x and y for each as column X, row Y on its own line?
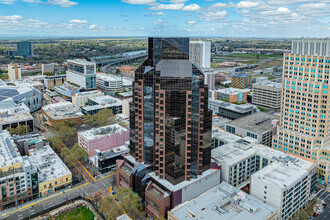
column 240, row 80
column 220, row 138
column 16, row 116
column 26, row 82
column 261, row 126
column 267, row 94
column 103, row 138
column 230, row 110
column 105, row 161
column 66, row 91
column 80, row 98
column 82, row 73
column 232, row 95
column 109, row 84
column 224, row 202
column 61, row 112
column 125, row 95
column 51, row 81
column 127, row 70
column 98, row 103
column 53, row 174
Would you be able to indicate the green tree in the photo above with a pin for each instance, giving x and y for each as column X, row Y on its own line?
column 67, row 156
column 130, row 202
column 55, row 142
column 64, row 132
column 101, row 118
column 110, row 209
column 79, row 152
column 19, row 130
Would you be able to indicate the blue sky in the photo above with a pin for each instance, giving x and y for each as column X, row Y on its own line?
column 236, row 18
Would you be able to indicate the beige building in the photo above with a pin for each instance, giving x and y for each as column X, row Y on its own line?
column 304, row 123
column 51, row 81
column 80, row 99
column 125, row 106
column 267, row 94
column 47, row 68
column 14, row 72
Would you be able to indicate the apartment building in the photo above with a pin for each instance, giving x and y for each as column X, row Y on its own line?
column 309, row 47
column 47, row 68
column 14, row 72
column 240, row 80
column 261, row 126
column 80, row 98
column 303, row 130
column 266, row 93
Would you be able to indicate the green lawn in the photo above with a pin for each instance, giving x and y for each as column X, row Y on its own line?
column 81, row 213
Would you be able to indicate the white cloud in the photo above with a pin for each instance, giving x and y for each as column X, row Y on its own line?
column 7, row 2
column 210, row 16
column 93, row 26
column 77, row 21
column 278, row 11
column 191, row 22
column 62, row 3
column 178, row 1
column 219, row 5
column 159, row 22
column 159, row 13
column 289, row 2
column 167, row 7
column 19, row 23
column 139, row 2
column 192, row 7
column 247, row 4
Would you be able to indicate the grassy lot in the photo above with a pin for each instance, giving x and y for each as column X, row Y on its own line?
column 248, row 59
column 81, row 213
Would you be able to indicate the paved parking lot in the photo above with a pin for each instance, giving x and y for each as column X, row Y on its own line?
column 324, row 195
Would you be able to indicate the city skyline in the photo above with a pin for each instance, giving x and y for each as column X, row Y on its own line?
column 131, row 18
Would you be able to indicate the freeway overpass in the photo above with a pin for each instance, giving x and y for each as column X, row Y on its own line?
column 119, row 61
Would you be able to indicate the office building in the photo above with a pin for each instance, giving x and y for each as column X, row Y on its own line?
column 311, row 47
column 109, row 84
column 125, row 95
column 13, row 117
column 170, row 127
column 261, row 126
column 232, row 95
column 282, row 181
column 305, row 108
column 61, row 112
column 103, row 138
column 96, row 104
column 47, row 68
column 80, row 98
column 220, row 137
column 12, row 95
column 209, row 78
column 24, row 49
column 200, row 53
column 66, row 91
column 224, row 202
column 266, row 93
column 14, row 72
column 230, row 110
column 287, row 185
column 240, row 80
column 82, row 73
column 51, row 81
column 105, row 161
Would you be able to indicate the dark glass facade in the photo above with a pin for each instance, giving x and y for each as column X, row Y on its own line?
column 24, row 49
column 169, row 118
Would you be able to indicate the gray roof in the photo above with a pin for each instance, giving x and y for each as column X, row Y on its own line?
column 258, row 122
column 174, row 68
column 223, row 202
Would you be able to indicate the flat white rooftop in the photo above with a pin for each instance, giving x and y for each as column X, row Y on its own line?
column 102, row 131
column 9, row 154
column 233, row 91
column 62, row 110
column 108, row 77
column 81, row 62
column 49, row 165
column 223, row 202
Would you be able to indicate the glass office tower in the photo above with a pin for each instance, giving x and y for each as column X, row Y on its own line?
column 169, row 118
column 24, row 49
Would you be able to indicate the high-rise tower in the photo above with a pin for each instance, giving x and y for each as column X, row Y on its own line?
column 304, row 126
column 169, row 118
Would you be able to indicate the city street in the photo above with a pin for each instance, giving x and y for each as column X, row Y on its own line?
column 36, row 207
column 325, row 196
